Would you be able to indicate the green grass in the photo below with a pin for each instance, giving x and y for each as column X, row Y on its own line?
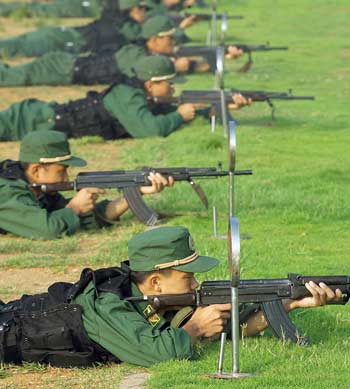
column 295, row 207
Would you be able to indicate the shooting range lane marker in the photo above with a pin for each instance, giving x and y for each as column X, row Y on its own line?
column 234, row 253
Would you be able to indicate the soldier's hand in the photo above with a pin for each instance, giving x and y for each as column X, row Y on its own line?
column 188, row 3
column 233, row 52
column 187, row 111
column 208, row 321
column 85, row 200
column 320, row 295
column 158, row 181
column 239, row 101
column 182, row 64
column 187, row 22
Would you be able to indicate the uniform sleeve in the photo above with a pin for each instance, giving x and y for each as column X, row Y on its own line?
column 116, row 326
column 21, row 215
column 130, row 107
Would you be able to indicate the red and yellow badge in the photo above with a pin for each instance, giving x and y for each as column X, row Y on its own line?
column 153, row 318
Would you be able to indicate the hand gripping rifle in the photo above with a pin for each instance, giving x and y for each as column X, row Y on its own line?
column 267, row 293
column 213, row 97
column 209, row 53
column 129, row 182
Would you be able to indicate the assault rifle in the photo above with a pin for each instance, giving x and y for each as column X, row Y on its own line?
column 209, row 53
column 129, row 181
column 178, row 18
column 268, row 293
column 213, row 97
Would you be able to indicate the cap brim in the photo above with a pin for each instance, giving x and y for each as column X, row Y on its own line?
column 201, row 265
column 74, row 161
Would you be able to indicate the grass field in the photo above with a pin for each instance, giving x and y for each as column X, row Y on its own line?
column 295, row 207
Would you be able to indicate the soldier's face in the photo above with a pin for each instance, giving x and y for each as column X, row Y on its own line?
column 171, row 3
column 48, row 174
column 160, row 88
column 178, row 282
column 138, row 14
column 164, row 45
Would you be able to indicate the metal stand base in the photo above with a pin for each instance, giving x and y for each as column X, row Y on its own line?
column 229, row 376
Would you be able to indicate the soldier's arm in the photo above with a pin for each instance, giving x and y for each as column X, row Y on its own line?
column 124, row 332
column 21, row 215
column 130, row 107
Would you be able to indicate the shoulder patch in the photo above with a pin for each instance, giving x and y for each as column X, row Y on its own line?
column 152, row 318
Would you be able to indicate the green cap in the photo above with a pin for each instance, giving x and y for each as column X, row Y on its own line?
column 167, row 248
column 124, row 5
column 156, row 68
column 157, row 26
column 48, row 147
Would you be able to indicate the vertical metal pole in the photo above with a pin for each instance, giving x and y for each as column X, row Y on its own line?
column 231, row 194
column 224, row 112
column 215, row 221
column 235, row 330
column 213, row 123
column 213, row 24
column 222, row 352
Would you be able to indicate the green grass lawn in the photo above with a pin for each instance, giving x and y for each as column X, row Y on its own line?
column 295, row 207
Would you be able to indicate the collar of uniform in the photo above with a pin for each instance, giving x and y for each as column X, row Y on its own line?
column 155, row 320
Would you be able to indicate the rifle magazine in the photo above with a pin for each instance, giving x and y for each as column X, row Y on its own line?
column 280, row 323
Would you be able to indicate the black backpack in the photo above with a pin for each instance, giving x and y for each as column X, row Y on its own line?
column 47, row 328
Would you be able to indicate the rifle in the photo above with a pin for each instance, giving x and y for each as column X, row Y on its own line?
column 213, row 97
column 268, row 293
column 209, row 53
column 129, row 181
column 178, row 18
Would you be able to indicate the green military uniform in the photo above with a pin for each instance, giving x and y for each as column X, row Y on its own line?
column 59, row 68
column 41, row 41
column 127, row 106
column 56, row 8
column 73, row 40
column 98, row 308
column 133, row 338
column 44, row 217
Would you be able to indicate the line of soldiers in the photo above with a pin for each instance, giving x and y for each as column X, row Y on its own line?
column 90, row 321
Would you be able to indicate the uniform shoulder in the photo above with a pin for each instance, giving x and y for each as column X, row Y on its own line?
column 17, row 184
column 126, row 92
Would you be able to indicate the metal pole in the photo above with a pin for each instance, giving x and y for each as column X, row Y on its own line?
column 231, row 194
column 215, row 225
column 222, row 352
column 235, row 330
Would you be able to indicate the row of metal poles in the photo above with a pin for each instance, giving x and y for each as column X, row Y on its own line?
column 233, row 236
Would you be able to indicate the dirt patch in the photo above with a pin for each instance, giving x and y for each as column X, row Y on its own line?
column 36, row 280
column 20, row 378
column 9, row 150
column 134, row 381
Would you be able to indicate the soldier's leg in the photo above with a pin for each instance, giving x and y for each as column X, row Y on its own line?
column 24, row 117
column 58, row 8
column 41, row 41
column 51, row 69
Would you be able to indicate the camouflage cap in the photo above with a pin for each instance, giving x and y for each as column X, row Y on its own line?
column 48, row 147
column 167, row 248
column 159, row 25
column 156, row 68
column 124, row 5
